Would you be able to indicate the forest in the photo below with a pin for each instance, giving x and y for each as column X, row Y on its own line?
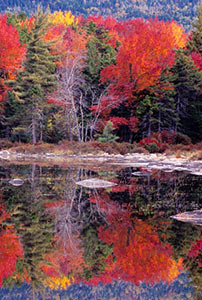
column 182, row 11
column 72, row 78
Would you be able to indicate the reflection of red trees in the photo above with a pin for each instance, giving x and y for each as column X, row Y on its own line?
column 196, row 250
column 139, row 254
column 10, row 251
column 65, row 259
column 132, row 186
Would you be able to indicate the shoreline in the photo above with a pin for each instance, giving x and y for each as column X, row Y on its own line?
column 164, row 162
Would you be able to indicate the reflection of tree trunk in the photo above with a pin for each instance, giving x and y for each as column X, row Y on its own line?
column 158, row 186
column 33, row 129
column 128, row 236
column 41, row 131
column 33, row 182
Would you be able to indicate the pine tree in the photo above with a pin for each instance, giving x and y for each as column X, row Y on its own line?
column 187, row 82
column 195, row 42
column 107, row 135
column 37, row 79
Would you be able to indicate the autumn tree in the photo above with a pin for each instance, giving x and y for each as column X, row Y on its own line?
column 11, row 54
column 139, row 63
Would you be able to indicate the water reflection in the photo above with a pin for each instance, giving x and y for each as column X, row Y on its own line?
column 60, row 239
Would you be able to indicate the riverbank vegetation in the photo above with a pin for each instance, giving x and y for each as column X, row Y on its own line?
column 99, row 84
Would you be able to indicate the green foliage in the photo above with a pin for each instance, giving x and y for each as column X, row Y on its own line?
column 100, row 54
column 95, row 253
column 107, row 135
column 37, row 79
column 153, row 148
column 187, row 82
column 15, row 19
column 195, row 42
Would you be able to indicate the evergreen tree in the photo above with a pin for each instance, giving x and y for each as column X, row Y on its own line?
column 100, row 54
column 187, row 82
column 156, row 108
column 145, row 111
column 164, row 114
column 37, row 79
column 195, row 42
column 107, row 135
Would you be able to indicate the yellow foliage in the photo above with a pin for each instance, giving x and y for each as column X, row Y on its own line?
column 58, row 283
column 179, row 34
column 60, row 18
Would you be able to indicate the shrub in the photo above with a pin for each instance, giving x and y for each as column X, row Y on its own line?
column 165, row 136
column 152, row 145
column 107, row 135
column 171, row 137
column 182, row 139
column 5, row 144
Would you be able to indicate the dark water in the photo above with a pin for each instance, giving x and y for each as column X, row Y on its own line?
column 59, row 240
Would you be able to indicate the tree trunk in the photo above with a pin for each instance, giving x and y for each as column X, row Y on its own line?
column 149, row 126
column 33, row 130
column 177, row 112
column 159, row 120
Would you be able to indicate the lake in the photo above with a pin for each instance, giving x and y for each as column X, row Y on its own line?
column 61, row 239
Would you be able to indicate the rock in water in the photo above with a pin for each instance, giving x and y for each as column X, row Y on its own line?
column 16, row 182
column 194, row 217
column 138, row 173
column 95, row 183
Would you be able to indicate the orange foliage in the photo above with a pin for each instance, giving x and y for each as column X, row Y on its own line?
column 140, row 255
column 66, row 259
column 66, row 41
column 55, row 35
column 141, row 58
column 76, row 42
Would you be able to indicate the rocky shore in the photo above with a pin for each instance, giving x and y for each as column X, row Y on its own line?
column 149, row 162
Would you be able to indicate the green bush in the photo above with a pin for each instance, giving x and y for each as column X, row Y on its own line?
column 152, row 148
column 107, row 135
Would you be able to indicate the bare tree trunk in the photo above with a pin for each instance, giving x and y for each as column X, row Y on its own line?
column 33, row 129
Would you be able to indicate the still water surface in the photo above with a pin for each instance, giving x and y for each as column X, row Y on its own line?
column 59, row 240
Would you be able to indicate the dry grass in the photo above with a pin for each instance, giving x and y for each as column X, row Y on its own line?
column 98, row 148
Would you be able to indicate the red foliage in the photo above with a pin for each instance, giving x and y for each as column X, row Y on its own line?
column 197, row 59
column 10, row 251
column 165, row 136
column 147, row 141
column 140, row 255
column 196, row 250
column 11, row 53
column 139, row 62
column 118, row 122
column 110, row 24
